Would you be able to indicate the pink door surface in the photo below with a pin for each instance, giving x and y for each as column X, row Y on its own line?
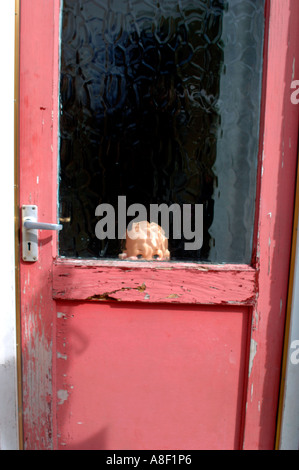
column 154, row 355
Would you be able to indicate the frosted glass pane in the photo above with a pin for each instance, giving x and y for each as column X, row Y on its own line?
column 160, row 102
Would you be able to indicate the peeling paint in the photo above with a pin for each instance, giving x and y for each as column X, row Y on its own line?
column 225, row 286
column 253, row 350
column 256, row 315
column 293, row 68
column 61, row 315
column 105, row 296
column 269, row 243
column 61, row 356
column 37, row 382
column 108, row 296
column 141, row 288
column 62, row 396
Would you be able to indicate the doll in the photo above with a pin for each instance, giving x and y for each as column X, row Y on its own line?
column 147, row 241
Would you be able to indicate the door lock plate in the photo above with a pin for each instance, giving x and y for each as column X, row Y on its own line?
column 29, row 236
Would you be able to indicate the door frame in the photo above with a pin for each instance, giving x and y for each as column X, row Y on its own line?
column 9, row 358
column 266, row 282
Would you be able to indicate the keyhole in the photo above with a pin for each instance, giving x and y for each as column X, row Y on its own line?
column 29, row 246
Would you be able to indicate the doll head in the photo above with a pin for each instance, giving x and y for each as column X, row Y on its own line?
column 145, row 240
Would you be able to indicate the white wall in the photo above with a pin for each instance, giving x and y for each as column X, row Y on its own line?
column 289, row 436
column 8, row 377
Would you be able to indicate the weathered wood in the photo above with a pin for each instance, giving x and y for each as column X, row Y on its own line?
column 147, row 282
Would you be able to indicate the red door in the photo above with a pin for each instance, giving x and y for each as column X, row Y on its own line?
column 178, row 354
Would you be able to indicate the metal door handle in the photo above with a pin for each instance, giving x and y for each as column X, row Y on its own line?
column 30, row 227
column 29, row 224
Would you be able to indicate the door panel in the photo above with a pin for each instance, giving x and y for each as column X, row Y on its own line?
column 135, row 377
column 152, row 328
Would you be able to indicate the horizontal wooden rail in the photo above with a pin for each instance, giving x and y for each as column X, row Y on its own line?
column 154, row 282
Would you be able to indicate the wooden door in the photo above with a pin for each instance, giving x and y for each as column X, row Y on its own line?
column 178, row 354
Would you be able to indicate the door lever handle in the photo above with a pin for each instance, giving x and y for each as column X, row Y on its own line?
column 29, row 224
column 30, row 227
